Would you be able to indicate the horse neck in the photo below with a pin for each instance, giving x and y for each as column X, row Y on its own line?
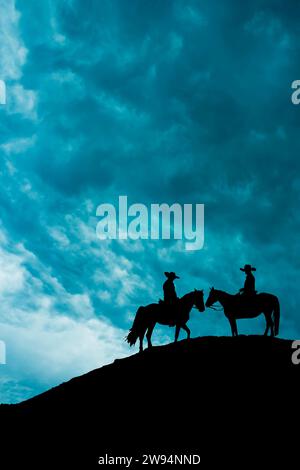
column 188, row 300
column 223, row 297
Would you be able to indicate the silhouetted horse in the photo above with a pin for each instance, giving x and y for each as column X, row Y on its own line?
column 147, row 317
column 242, row 306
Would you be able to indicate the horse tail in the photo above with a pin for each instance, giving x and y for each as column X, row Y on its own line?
column 276, row 316
column 136, row 329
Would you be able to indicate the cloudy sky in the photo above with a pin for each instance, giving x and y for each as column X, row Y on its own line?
column 163, row 101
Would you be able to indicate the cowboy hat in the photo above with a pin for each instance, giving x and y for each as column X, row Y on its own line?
column 171, row 275
column 247, row 267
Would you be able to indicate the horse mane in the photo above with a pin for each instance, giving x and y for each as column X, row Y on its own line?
column 188, row 294
column 223, row 292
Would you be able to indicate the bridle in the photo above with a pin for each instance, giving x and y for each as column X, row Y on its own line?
column 217, row 309
column 197, row 308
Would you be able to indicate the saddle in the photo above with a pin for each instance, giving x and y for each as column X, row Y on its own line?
column 246, row 300
column 250, row 294
column 169, row 311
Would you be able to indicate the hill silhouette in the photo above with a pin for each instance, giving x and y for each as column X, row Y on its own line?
column 233, row 401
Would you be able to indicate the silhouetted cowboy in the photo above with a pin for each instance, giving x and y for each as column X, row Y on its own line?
column 170, row 295
column 249, row 286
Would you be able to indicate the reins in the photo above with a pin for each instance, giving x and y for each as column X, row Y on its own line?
column 217, row 309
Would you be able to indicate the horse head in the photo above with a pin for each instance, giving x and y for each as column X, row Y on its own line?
column 199, row 300
column 212, row 298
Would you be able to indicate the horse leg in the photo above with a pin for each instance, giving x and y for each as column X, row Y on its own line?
column 149, row 334
column 272, row 328
column 234, row 330
column 268, row 324
column 141, row 342
column 271, row 322
column 186, row 328
column 231, row 326
column 177, row 330
column 267, row 327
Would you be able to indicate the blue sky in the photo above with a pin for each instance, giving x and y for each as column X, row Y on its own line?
column 162, row 101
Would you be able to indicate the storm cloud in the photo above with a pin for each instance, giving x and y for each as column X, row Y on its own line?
column 162, row 101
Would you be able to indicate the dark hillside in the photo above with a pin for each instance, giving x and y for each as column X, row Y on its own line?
column 234, row 401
